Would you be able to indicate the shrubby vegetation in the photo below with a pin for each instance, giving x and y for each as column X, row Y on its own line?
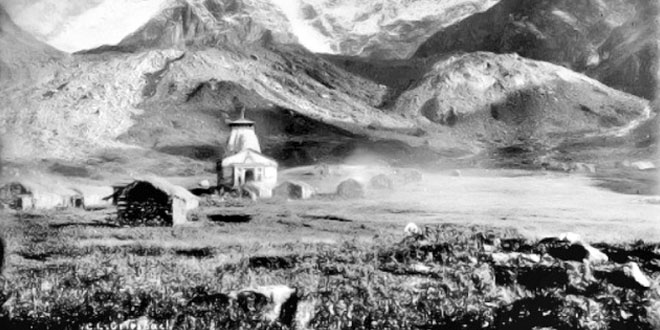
column 446, row 280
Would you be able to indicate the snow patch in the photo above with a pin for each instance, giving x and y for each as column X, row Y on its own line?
column 307, row 36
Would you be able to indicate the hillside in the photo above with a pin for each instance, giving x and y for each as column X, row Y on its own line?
column 20, row 52
column 614, row 41
column 513, row 104
column 159, row 101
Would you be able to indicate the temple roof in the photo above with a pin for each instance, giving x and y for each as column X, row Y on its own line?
column 242, row 121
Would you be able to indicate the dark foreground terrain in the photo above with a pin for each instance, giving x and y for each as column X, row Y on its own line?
column 349, row 261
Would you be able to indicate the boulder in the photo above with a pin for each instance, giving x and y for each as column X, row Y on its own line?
column 350, row 189
column 304, row 314
column 413, row 230
column 276, row 302
column 456, row 173
column 205, row 184
column 595, row 256
column 628, row 276
column 570, row 246
column 632, row 271
column 570, row 237
column 381, row 181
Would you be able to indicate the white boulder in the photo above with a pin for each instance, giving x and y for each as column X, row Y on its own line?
column 413, row 230
column 632, row 271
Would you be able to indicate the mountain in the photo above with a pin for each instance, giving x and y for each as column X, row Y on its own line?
column 20, row 52
column 613, row 41
column 207, row 23
column 506, row 100
column 158, row 100
column 374, row 28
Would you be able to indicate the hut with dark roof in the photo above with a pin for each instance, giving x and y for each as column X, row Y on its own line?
column 154, row 202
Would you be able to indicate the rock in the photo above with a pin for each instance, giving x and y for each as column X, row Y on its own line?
column 420, row 268
column 456, row 173
column 632, row 271
column 502, row 258
column 275, row 302
column 350, row 189
column 483, row 277
column 381, row 181
column 595, row 256
column 205, row 184
column 626, row 276
column 413, row 230
column 643, row 165
column 570, row 237
column 562, row 250
column 304, row 314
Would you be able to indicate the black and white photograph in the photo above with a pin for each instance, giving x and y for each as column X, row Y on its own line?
column 329, row 164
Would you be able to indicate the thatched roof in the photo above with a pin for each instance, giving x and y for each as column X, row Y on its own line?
column 172, row 190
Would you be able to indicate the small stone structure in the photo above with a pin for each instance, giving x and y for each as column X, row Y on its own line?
column 381, row 181
column 30, row 194
column 294, row 190
column 350, row 188
column 154, row 202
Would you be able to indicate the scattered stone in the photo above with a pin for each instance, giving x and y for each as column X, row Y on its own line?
column 456, row 173
column 350, row 189
column 381, row 181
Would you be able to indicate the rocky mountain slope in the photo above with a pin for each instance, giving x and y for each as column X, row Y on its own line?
column 373, row 28
column 159, row 100
column 208, row 23
column 507, row 100
column 614, row 41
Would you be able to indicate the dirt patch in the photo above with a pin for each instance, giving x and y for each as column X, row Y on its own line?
column 325, row 217
column 230, row 218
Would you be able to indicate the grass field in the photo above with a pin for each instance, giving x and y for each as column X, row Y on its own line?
column 348, row 259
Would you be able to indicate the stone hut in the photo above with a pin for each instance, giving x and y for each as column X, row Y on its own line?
column 294, row 190
column 154, row 202
column 31, row 194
